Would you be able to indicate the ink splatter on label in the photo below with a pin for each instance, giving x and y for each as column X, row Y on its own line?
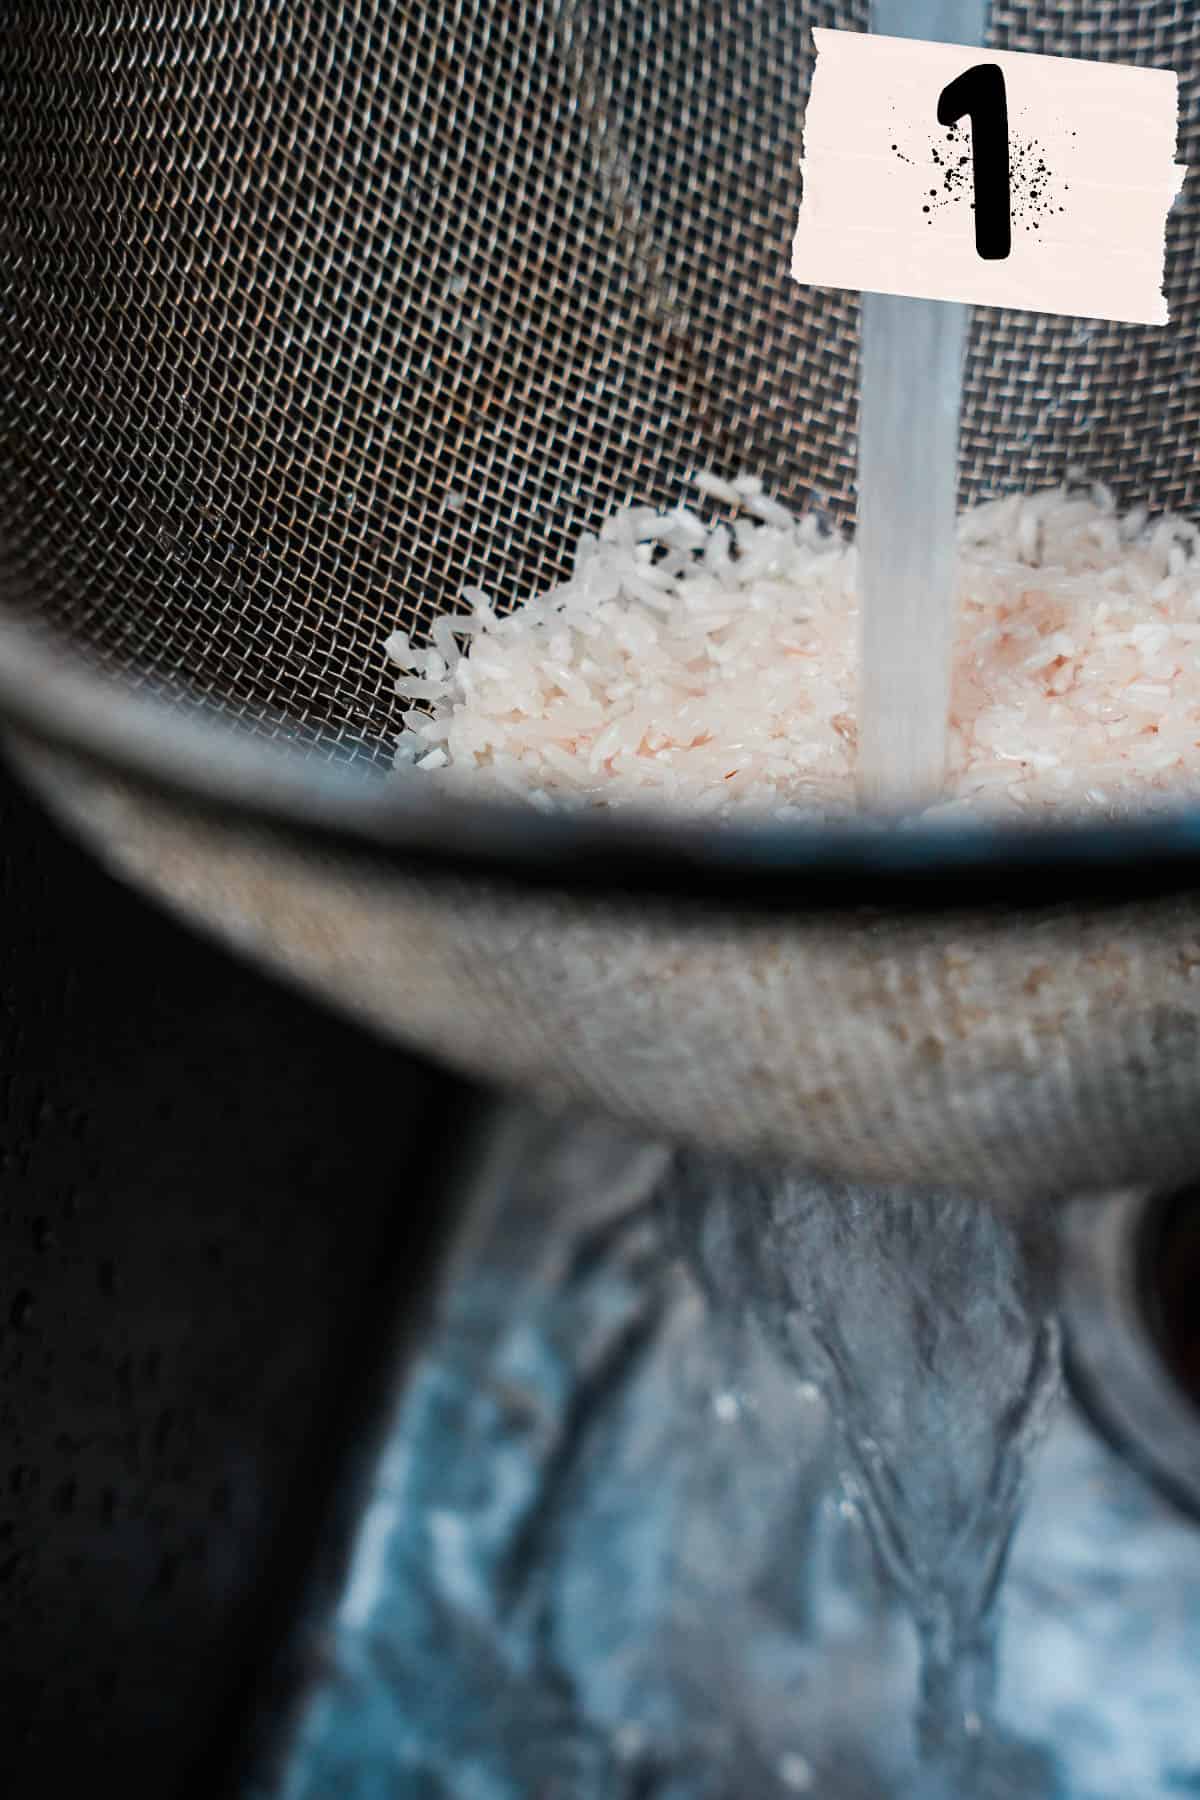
column 1037, row 193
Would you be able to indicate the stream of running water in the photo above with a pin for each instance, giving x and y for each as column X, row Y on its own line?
column 910, row 391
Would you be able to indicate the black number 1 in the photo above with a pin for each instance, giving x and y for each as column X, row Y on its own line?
column 981, row 93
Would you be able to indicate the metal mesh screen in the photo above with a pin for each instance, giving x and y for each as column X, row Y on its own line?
column 314, row 314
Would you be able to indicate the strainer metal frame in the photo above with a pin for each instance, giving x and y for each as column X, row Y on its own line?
column 761, row 868
column 279, row 284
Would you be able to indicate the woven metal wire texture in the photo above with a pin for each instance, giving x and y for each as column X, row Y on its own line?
column 314, row 314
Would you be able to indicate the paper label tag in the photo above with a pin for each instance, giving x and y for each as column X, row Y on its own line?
column 947, row 172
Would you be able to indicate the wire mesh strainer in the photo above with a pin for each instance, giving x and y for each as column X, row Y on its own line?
column 280, row 286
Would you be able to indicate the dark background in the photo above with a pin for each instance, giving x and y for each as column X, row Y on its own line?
column 211, row 1196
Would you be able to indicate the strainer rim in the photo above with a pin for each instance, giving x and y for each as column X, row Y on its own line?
column 751, row 867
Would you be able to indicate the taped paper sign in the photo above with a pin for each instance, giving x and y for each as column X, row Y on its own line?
column 947, row 172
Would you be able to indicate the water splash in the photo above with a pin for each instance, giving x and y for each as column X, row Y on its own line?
column 926, row 1321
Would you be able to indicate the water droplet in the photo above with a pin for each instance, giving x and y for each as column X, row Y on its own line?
column 629, row 1740
column 726, row 1407
column 796, row 1772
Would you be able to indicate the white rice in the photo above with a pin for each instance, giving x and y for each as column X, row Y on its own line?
column 712, row 667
